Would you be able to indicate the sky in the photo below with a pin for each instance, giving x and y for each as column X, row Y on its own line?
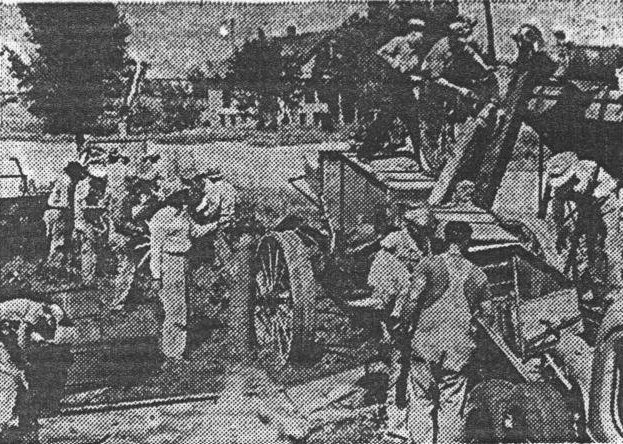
column 174, row 37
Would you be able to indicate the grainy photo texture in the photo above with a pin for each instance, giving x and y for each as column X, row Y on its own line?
column 311, row 222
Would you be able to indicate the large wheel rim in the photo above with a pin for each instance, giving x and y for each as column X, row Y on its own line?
column 273, row 308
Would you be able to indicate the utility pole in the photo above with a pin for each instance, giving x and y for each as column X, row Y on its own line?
column 490, row 35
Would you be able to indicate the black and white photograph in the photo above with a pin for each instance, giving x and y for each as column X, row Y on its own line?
column 311, row 222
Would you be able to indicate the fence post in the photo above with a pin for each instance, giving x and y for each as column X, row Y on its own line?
column 239, row 334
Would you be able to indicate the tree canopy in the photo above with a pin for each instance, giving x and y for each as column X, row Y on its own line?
column 261, row 76
column 79, row 70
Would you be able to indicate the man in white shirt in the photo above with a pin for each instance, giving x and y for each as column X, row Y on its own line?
column 227, row 197
column 88, row 220
column 172, row 231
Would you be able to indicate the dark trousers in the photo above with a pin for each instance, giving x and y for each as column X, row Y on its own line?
column 401, row 104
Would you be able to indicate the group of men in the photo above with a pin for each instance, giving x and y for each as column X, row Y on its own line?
column 429, row 85
column 430, row 291
column 139, row 214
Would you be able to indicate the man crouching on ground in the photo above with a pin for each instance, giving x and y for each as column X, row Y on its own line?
column 446, row 290
column 26, row 325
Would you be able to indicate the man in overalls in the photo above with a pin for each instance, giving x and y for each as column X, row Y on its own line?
column 389, row 277
column 446, row 290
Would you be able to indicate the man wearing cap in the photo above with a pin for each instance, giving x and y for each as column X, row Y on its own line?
column 58, row 214
column 452, row 70
column 446, row 291
column 89, row 223
column 585, row 212
column 404, row 55
column 225, row 198
column 561, row 52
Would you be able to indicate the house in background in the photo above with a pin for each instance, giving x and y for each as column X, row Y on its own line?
column 221, row 108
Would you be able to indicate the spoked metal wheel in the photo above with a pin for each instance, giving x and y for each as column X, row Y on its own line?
column 284, row 298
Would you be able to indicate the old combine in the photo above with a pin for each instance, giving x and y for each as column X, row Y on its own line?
column 537, row 336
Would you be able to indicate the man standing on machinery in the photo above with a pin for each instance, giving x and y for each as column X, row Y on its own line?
column 456, row 80
column 404, row 55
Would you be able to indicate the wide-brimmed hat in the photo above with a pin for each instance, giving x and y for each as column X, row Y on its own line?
column 457, row 231
column 97, row 172
column 416, row 24
column 421, row 216
column 559, row 168
column 468, row 19
column 74, row 168
column 460, row 29
column 212, row 173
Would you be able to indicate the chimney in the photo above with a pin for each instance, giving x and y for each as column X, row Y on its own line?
column 291, row 31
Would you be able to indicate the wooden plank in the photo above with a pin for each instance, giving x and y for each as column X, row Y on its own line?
column 522, row 369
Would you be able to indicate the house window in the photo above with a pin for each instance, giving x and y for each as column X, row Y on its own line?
column 232, row 118
column 303, row 119
column 310, row 96
column 222, row 119
column 317, row 119
column 226, row 98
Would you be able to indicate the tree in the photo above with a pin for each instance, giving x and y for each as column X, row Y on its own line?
column 180, row 109
column 79, row 70
column 260, row 77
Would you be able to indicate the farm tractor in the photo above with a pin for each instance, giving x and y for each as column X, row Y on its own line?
column 537, row 337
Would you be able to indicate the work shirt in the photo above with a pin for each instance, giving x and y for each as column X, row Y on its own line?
column 80, row 198
column 456, row 65
column 210, row 205
column 228, row 197
column 402, row 53
column 172, row 232
column 448, row 288
column 120, row 211
column 388, row 277
column 117, row 173
column 22, row 310
column 589, row 217
column 59, row 197
column 404, row 247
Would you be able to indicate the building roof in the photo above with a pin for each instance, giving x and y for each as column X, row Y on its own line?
column 303, row 46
